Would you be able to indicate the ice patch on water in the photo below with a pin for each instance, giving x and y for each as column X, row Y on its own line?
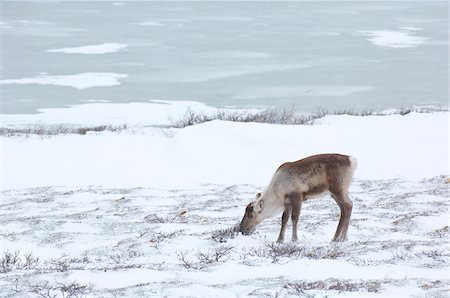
column 394, row 39
column 4, row 25
column 151, row 23
column 411, row 28
column 103, row 48
column 34, row 23
column 78, row 81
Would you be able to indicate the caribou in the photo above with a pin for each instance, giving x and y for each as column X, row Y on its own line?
column 298, row 181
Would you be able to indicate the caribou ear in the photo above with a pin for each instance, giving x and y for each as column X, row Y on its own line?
column 261, row 205
column 258, row 195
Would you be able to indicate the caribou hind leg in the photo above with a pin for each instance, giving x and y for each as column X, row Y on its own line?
column 348, row 206
column 345, row 205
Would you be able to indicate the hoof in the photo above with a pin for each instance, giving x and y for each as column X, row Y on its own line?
column 339, row 239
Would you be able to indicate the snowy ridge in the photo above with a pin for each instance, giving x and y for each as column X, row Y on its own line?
column 413, row 146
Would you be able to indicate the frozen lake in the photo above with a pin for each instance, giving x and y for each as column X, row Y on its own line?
column 309, row 54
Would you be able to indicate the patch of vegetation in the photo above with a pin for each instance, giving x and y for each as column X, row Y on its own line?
column 285, row 115
column 279, row 251
column 271, row 116
column 10, row 261
column 204, row 259
column 52, row 130
column 288, row 115
column 155, row 218
column 340, row 285
column 157, row 239
column 137, row 232
column 224, row 234
column 441, row 233
column 66, row 290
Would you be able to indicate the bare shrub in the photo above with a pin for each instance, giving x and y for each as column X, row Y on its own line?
column 432, row 284
column 65, row 290
column 204, row 258
column 402, row 255
column 339, row 285
column 122, row 258
column 44, row 289
column 191, row 118
column 430, row 109
column 59, row 265
column 277, row 251
column 85, row 130
column 52, row 130
column 273, row 116
column 269, row 293
column 182, row 256
column 349, row 111
column 155, row 218
column 157, row 239
column 440, row 233
column 286, row 115
column 9, row 261
column 405, row 110
column 13, row 261
column 74, row 289
column 439, row 256
column 333, row 251
column 214, row 255
column 224, row 234
column 30, row 262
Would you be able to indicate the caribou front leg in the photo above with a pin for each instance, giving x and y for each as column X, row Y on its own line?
column 296, row 208
column 284, row 220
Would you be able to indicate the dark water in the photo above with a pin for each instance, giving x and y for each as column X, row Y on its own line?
column 308, row 54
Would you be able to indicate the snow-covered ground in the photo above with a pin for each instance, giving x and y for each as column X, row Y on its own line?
column 150, row 210
column 148, row 154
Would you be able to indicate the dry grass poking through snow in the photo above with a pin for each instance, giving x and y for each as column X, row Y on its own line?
column 94, row 242
column 288, row 115
column 53, row 130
